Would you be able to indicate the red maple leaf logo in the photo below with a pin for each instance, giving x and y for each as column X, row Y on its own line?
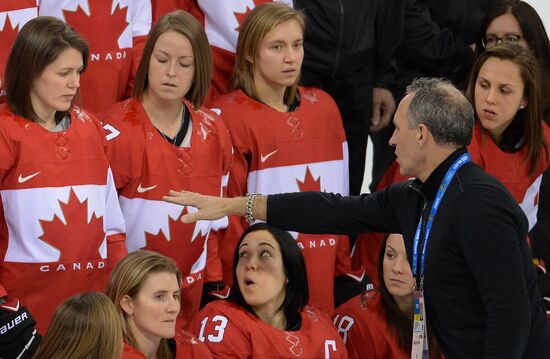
column 7, row 38
column 309, row 183
column 240, row 16
column 179, row 244
column 101, row 29
column 69, row 237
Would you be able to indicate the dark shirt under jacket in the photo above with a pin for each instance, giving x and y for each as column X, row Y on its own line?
column 480, row 285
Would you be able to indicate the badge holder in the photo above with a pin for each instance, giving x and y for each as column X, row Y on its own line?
column 420, row 348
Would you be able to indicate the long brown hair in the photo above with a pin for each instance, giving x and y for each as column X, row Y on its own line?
column 185, row 24
column 37, row 45
column 534, row 34
column 261, row 20
column 127, row 279
column 85, row 326
column 527, row 127
column 400, row 324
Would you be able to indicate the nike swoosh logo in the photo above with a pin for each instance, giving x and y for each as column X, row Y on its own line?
column 264, row 158
column 22, row 179
column 145, row 189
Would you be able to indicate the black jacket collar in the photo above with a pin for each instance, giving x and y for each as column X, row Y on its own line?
column 430, row 187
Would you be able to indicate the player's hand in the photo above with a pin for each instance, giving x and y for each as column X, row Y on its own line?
column 383, row 107
column 209, row 207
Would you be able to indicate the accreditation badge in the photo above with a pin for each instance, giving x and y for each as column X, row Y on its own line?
column 420, row 333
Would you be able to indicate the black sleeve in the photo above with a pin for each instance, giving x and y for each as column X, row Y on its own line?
column 432, row 49
column 388, row 30
column 540, row 236
column 320, row 212
column 492, row 233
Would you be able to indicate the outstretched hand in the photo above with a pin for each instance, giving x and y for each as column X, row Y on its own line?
column 209, row 207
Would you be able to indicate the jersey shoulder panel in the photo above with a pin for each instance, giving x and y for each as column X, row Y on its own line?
column 189, row 346
column 124, row 131
column 128, row 113
column 236, row 110
column 221, row 132
column 317, row 101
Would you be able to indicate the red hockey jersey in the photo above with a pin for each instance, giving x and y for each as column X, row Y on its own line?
column 230, row 331
column 363, row 328
column 221, row 21
column 146, row 167
column 511, row 169
column 116, row 31
column 60, row 224
column 186, row 344
column 14, row 14
column 301, row 150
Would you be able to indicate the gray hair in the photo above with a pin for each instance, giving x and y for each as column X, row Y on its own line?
column 442, row 108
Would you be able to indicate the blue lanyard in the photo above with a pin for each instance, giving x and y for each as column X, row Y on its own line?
column 465, row 158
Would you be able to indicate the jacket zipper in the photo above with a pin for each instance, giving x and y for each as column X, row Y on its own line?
column 340, row 38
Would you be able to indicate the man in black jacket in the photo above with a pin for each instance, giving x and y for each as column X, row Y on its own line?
column 479, row 282
column 348, row 45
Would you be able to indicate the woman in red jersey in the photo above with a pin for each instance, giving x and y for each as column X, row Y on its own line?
column 287, row 138
column 510, row 139
column 145, row 288
column 266, row 314
column 61, row 224
column 378, row 324
column 162, row 138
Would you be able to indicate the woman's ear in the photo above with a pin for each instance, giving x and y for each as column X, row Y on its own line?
column 523, row 104
column 127, row 304
column 250, row 57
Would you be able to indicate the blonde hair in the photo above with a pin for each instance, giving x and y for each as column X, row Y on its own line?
column 84, row 326
column 127, row 279
column 257, row 24
column 185, row 24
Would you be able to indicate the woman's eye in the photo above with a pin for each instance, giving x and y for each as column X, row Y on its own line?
column 265, row 254
column 243, row 254
column 512, row 38
column 483, row 85
column 161, row 60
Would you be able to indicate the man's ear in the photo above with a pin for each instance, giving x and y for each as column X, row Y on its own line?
column 421, row 134
column 127, row 304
